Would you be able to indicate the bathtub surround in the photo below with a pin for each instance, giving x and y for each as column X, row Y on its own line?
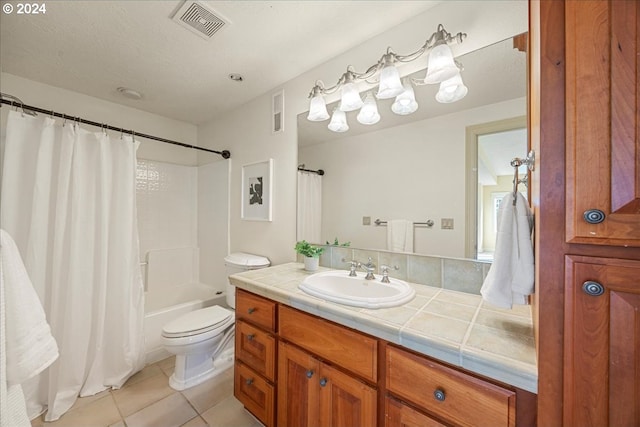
column 68, row 199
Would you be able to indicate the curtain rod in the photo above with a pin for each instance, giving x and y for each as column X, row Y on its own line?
column 19, row 104
column 319, row 171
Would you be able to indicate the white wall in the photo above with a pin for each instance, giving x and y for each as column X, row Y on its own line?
column 415, row 172
column 247, row 134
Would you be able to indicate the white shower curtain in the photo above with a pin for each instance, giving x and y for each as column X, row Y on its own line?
column 309, row 207
column 68, row 200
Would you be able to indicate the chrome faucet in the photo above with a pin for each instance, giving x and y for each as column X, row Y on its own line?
column 385, row 272
column 369, row 267
column 352, row 267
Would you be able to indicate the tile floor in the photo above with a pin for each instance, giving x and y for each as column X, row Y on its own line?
column 146, row 400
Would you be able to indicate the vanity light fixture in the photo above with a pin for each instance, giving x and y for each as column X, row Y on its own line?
column 338, row 121
column 442, row 67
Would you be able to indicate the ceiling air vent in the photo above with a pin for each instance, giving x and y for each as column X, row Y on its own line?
column 198, row 18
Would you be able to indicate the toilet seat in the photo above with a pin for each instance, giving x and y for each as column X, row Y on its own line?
column 209, row 321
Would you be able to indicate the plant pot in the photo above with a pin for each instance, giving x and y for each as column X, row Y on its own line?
column 311, row 263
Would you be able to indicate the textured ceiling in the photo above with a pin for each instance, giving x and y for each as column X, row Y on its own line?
column 94, row 47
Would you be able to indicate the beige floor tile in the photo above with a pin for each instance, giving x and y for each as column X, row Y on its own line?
column 99, row 413
column 141, row 394
column 172, row 411
column 195, row 422
column 229, row 413
column 118, row 424
column 148, row 372
column 167, row 365
column 210, row 393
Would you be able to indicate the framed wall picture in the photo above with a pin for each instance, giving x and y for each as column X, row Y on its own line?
column 257, row 191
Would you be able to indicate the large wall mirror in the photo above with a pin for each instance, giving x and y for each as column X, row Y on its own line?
column 446, row 163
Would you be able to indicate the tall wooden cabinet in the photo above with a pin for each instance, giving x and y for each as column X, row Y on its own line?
column 603, row 149
column 585, row 128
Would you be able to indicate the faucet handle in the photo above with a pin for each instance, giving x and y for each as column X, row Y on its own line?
column 353, row 264
column 385, row 272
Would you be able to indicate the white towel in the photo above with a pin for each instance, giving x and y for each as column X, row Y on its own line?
column 511, row 276
column 400, row 235
column 30, row 347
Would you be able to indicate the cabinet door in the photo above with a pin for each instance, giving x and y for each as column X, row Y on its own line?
column 602, row 342
column 400, row 415
column 602, row 124
column 345, row 401
column 298, row 387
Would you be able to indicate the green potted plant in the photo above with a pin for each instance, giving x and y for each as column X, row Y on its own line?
column 311, row 254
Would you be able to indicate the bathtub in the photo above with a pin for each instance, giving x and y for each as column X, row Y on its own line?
column 161, row 308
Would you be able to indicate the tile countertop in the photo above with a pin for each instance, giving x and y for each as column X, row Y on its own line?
column 455, row 327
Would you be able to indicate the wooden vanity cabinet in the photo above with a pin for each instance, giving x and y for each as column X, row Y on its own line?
column 399, row 414
column 449, row 394
column 327, row 375
column 319, row 384
column 255, row 352
column 313, row 393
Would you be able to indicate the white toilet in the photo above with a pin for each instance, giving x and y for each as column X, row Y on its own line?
column 202, row 340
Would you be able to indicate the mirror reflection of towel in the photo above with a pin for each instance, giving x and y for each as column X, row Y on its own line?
column 511, row 276
column 400, row 235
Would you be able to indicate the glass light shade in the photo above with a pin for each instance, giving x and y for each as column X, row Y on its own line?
column 317, row 109
column 338, row 121
column 451, row 90
column 390, row 84
column 350, row 98
column 405, row 103
column 368, row 114
column 441, row 65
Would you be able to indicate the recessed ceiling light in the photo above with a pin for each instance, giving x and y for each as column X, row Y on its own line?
column 130, row 93
column 236, row 77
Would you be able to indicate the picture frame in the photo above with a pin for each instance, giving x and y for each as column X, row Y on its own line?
column 257, row 191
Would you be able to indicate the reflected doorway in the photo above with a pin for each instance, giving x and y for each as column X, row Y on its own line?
column 490, row 147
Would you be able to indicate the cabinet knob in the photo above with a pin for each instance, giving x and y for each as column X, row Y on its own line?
column 250, row 337
column 439, row 395
column 592, row 288
column 309, row 373
column 251, row 310
column 323, row 382
column 249, row 381
column 594, row 216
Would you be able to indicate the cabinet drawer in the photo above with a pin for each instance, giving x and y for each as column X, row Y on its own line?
column 255, row 309
column 464, row 400
column 351, row 350
column 397, row 414
column 256, row 348
column 255, row 393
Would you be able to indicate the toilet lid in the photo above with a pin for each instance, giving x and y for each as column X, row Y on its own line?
column 201, row 320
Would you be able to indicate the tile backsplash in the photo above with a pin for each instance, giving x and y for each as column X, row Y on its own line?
column 463, row 275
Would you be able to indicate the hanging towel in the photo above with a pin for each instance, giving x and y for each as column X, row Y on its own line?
column 30, row 347
column 400, row 235
column 511, row 276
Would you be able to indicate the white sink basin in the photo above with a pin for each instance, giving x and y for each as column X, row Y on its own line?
column 337, row 286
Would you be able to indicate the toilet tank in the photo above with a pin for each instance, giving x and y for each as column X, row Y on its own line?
column 238, row 262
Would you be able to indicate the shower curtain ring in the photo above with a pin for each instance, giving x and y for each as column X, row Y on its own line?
column 133, row 135
column 121, row 133
column 64, row 120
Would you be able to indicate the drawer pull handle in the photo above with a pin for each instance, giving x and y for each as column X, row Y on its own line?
column 323, row 382
column 250, row 337
column 249, row 381
column 439, row 395
column 251, row 310
column 592, row 288
column 309, row 373
column 594, row 216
